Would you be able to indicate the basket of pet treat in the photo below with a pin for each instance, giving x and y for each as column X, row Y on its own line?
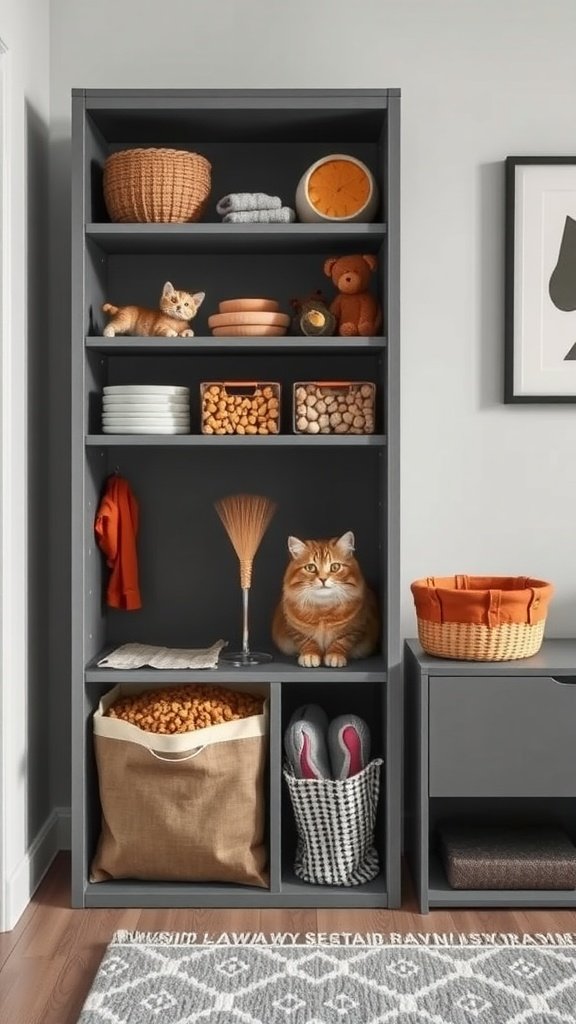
column 334, row 407
column 159, row 186
column 240, row 407
column 181, row 780
column 481, row 618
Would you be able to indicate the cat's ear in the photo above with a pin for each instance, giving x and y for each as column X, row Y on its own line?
column 346, row 543
column 199, row 298
column 168, row 289
column 296, row 547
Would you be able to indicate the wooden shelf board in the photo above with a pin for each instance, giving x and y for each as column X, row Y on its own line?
column 135, row 893
column 215, row 346
column 234, row 440
column 302, row 894
column 283, row 670
column 441, row 894
column 556, row 657
column 243, row 239
column 282, row 116
column 293, row 893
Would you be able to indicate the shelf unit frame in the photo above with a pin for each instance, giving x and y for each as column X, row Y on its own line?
column 101, row 120
column 522, row 713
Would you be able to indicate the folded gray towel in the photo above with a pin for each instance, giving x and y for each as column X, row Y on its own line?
column 284, row 215
column 237, row 201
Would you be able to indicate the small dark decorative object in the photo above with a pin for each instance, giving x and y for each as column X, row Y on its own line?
column 312, row 316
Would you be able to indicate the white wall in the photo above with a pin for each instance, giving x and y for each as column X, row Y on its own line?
column 486, row 488
column 24, row 745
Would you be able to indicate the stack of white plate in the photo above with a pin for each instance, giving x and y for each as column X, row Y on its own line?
column 146, row 409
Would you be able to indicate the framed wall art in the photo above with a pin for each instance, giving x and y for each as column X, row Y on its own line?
column 540, row 363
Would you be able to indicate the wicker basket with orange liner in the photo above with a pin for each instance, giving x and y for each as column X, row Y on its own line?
column 481, row 618
column 156, row 186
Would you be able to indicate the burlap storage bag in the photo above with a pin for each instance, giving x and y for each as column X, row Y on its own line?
column 182, row 807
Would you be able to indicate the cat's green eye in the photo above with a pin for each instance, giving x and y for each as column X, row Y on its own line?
column 311, row 567
column 335, row 566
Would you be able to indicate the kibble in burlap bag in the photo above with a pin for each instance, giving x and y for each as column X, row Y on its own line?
column 182, row 807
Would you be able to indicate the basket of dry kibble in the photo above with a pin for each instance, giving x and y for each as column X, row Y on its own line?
column 181, row 780
column 240, row 407
column 334, row 407
column 180, row 709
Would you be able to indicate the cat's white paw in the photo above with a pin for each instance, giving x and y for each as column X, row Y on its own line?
column 335, row 660
column 309, row 660
column 187, row 334
column 170, row 333
column 109, row 331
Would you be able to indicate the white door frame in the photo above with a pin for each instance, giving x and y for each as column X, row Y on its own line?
column 5, row 321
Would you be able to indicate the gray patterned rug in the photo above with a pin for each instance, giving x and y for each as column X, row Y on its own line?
column 340, row 978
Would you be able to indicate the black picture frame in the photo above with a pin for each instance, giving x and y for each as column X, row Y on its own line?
column 536, row 201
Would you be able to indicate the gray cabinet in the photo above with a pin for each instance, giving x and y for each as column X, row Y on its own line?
column 488, row 742
column 262, row 140
column 494, row 736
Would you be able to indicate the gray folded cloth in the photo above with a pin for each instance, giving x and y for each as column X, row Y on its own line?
column 236, row 201
column 284, row 215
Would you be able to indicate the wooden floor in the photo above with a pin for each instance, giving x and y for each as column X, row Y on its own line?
column 48, row 961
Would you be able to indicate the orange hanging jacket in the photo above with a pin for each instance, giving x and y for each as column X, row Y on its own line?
column 116, row 529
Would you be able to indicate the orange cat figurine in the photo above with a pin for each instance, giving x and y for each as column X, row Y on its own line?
column 327, row 612
column 171, row 320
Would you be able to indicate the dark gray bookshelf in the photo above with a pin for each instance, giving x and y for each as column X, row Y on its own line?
column 323, row 484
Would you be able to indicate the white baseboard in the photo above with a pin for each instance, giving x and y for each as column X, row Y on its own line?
column 52, row 837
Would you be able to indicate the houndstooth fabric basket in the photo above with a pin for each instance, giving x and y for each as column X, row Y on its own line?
column 335, row 820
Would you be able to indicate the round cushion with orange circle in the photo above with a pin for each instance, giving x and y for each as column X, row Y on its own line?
column 337, row 188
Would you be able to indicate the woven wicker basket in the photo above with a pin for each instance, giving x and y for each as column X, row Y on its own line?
column 156, row 186
column 481, row 618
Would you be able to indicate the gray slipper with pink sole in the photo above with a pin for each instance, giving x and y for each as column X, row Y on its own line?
column 305, row 743
column 348, row 745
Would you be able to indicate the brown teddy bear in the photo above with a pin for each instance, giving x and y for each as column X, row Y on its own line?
column 356, row 310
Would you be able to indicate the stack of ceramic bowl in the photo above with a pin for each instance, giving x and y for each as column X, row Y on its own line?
column 146, row 409
column 248, row 318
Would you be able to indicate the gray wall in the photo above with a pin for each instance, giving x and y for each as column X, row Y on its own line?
column 485, row 488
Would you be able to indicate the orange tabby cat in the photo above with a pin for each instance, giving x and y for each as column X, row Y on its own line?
column 176, row 309
column 326, row 613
